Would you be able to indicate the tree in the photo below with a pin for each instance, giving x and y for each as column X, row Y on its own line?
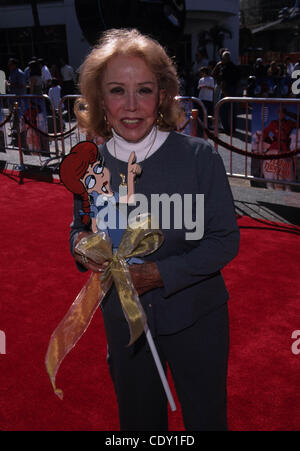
column 216, row 36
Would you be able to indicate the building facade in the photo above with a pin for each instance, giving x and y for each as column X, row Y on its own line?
column 269, row 33
column 204, row 19
column 55, row 28
column 255, row 12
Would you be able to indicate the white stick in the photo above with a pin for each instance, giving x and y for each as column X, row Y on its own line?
column 159, row 367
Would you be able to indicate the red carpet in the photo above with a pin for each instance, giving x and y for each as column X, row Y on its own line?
column 39, row 281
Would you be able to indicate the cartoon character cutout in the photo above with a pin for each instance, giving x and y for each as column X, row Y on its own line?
column 83, row 173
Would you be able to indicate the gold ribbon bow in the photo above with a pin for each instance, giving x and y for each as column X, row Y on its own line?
column 138, row 240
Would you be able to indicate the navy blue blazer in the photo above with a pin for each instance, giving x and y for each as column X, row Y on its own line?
column 190, row 269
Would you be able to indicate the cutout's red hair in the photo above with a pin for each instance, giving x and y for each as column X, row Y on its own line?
column 72, row 169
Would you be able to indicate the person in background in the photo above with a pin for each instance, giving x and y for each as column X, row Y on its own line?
column 256, row 79
column 68, row 85
column 252, row 86
column 288, row 66
column 35, row 78
column 229, row 79
column 297, row 65
column 273, row 78
column 68, row 78
column 216, row 74
column 206, row 86
column 259, row 70
column 16, row 83
column 274, row 70
column 55, row 73
column 229, row 76
column 46, row 75
column 55, row 93
column 55, row 98
column 27, row 72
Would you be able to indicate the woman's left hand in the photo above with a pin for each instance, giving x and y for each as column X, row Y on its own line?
column 145, row 277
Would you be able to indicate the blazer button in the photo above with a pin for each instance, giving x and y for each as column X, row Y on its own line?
column 150, row 305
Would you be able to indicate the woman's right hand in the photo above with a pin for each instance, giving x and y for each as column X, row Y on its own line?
column 88, row 264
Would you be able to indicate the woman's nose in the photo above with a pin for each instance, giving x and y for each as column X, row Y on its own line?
column 131, row 102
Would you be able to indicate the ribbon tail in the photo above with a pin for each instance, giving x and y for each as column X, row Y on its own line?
column 131, row 305
column 72, row 327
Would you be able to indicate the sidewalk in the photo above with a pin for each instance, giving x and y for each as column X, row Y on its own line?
column 266, row 204
column 259, row 203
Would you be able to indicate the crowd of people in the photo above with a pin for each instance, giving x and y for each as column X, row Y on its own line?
column 37, row 78
column 223, row 74
column 273, row 79
column 207, row 80
column 210, row 81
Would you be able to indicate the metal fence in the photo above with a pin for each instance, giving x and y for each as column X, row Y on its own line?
column 258, row 132
column 192, row 110
column 33, row 132
column 260, row 139
column 16, row 111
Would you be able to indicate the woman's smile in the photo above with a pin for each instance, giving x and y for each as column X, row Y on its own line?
column 131, row 97
column 131, row 123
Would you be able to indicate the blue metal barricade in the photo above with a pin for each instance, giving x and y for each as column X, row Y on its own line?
column 28, row 128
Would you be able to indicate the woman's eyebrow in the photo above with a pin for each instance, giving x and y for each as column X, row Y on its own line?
column 140, row 83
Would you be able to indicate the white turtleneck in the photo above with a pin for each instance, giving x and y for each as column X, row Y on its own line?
column 124, row 148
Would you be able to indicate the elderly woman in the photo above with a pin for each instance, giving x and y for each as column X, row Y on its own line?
column 128, row 86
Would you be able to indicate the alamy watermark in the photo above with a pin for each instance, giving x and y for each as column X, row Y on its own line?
column 2, row 342
column 295, row 348
column 296, row 83
column 174, row 211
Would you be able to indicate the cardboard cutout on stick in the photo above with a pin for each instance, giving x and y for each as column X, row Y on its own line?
column 83, row 173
